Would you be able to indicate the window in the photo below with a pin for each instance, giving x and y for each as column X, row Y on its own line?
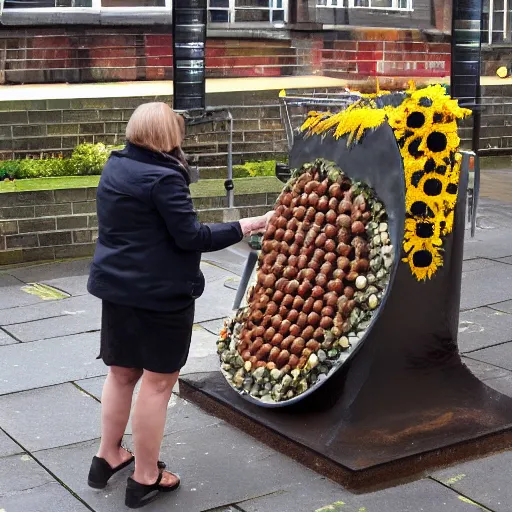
column 248, row 11
column 92, row 4
column 496, row 19
column 388, row 5
column 219, row 11
column 28, row 4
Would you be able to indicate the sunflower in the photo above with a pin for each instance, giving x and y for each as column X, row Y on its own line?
column 424, row 122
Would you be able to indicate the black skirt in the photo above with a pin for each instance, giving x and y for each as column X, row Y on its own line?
column 151, row 340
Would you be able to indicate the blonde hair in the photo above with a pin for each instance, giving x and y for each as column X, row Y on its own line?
column 156, row 126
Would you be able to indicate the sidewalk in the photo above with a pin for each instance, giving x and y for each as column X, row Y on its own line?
column 50, row 387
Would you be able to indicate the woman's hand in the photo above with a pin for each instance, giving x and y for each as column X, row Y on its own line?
column 254, row 225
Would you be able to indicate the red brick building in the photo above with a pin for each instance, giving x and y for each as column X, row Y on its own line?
column 109, row 40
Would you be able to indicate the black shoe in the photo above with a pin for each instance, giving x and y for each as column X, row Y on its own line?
column 139, row 495
column 101, row 471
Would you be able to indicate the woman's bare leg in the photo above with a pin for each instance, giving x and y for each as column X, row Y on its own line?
column 116, row 402
column 148, row 421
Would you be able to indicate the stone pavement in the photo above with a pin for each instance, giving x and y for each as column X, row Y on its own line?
column 50, row 388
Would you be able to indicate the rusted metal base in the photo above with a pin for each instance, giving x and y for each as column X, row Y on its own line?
column 435, row 427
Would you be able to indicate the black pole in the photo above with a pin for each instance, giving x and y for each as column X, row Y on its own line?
column 466, row 58
column 189, row 19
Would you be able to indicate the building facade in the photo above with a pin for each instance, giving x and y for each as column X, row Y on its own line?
column 45, row 41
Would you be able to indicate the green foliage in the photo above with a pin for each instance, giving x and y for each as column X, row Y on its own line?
column 252, row 169
column 89, row 159
column 86, row 160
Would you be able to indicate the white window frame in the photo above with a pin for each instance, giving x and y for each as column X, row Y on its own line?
column 505, row 36
column 95, row 8
column 342, row 4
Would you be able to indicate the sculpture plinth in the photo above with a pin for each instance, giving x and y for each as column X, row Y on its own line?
column 404, row 401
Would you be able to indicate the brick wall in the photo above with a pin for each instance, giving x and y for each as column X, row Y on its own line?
column 384, row 52
column 38, row 127
column 88, row 54
column 59, row 224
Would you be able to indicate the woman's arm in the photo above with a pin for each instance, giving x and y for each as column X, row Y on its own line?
column 171, row 196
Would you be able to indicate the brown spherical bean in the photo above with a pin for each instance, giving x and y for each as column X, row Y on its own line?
column 323, row 204
column 319, row 333
column 300, row 212
column 285, row 344
column 307, row 333
column 336, row 285
column 358, row 227
column 321, row 280
column 256, row 345
column 302, row 320
column 246, row 355
column 259, row 331
column 297, row 346
column 318, row 306
column 292, row 316
column 308, row 306
column 289, row 273
column 302, row 261
column 285, row 326
column 277, row 339
column 331, row 217
column 326, row 322
column 293, row 361
column 327, row 311
column 269, row 334
column 295, row 330
column 283, row 358
column 313, row 319
column 304, row 288
column 331, row 299
column 313, row 345
column 274, row 353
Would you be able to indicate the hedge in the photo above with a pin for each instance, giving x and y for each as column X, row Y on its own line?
column 89, row 159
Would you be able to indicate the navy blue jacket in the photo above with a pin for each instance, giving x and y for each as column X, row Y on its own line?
column 149, row 238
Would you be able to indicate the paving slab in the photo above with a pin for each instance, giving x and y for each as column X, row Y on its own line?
column 214, row 273
column 73, row 285
column 502, row 384
column 181, row 415
column 499, row 355
column 44, row 363
column 6, row 338
column 508, row 260
column 485, row 371
column 478, row 264
column 219, row 466
column 483, row 327
column 55, row 327
column 203, row 352
column 232, row 259
column 72, row 306
column 489, row 243
column 216, row 302
column 487, row 286
column 213, row 326
column 325, row 496
column 50, row 417
column 19, row 473
column 505, row 306
column 8, row 446
column 50, row 271
column 11, row 294
column 26, row 487
column 485, row 480
column 51, row 497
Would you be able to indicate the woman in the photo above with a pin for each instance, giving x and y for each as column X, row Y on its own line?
column 146, row 271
